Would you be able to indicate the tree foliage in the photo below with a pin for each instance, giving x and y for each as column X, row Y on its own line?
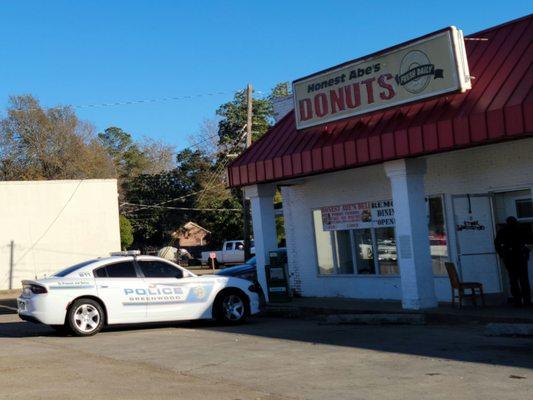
column 233, row 116
column 131, row 158
column 152, row 224
column 198, row 179
column 49, row 143
column 160, row 190
column 281, row 90
column 126, row 232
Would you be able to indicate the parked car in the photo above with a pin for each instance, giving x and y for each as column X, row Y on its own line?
column 130, row 288
column 247, row 271
column 232, row 253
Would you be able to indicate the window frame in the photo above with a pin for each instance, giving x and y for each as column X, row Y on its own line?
column 442, row 197
column 184, row 273
column 355, row 274
column 113, row 277
column 515, row 201
column 377, row 266
column 376, row 252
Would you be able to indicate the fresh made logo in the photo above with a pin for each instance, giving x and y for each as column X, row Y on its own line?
column 416, row 71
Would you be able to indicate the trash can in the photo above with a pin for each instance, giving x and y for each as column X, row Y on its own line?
column 277, row 278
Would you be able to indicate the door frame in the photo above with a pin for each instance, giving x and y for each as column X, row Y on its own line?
column 503, row 190
column 490, row 196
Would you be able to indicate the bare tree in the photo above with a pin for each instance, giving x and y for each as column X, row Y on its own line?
column 206, row 139
column 159, row 155
column 39, row 143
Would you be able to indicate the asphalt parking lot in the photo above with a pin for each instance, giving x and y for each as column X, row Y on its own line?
column 264, row 359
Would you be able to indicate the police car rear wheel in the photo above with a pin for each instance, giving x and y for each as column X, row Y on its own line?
column 85, row 317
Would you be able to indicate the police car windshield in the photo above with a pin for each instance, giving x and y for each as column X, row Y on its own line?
column 73, row 268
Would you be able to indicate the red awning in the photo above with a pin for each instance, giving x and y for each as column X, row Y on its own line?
column 498, row 107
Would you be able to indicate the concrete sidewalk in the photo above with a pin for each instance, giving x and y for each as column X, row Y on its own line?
column 10, row 294
column 320, row 307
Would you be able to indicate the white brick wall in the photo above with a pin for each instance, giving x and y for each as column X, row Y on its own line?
column 504, row 166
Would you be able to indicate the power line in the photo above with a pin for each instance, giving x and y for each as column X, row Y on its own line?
column 51, row 223
column 223, row 165
column 181, row 197
column 157, row 100
column 195, row 144
column 181, row 208
column 54, row 220
column 211, row 182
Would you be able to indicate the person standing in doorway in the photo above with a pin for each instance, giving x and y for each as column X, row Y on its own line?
column 511, row 246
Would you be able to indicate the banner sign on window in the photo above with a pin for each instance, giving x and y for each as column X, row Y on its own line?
column 368, row 214
column 429, row 66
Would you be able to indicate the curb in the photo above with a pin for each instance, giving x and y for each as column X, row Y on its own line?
column 430, row 316
column 376, row 319
column 497, row 329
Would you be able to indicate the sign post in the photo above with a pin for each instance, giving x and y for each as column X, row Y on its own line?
column 212, row 257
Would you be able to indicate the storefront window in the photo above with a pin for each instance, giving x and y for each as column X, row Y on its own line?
column 343, row 252
column 387, row 255
column 369, row 251
column 364, row 251
column 324, row 249
column 437, row 235
column 524, row 208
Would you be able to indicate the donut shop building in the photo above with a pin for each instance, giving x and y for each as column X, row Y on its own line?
column 395, row 163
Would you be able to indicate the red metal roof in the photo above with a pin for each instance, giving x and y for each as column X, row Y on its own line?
column 498, row 107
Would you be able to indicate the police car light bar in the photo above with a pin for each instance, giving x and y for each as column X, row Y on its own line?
column 126, row 253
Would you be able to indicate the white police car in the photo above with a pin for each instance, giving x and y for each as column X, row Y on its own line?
column 130, row 288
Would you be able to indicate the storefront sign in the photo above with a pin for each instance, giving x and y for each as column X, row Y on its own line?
column 432, row 65
column 368, row 214
column 470, row 226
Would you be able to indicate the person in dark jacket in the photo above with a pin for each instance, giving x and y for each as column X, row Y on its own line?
column 511, row 247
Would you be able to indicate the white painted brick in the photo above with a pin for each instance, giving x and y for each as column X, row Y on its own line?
column 503, row 166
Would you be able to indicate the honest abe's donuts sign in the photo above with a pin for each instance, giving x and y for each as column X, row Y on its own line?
column 429, row 66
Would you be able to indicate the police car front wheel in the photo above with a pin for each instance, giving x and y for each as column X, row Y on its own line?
column 231, row 307
column 85, row 317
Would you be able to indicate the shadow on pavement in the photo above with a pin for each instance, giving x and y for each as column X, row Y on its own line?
column 465, row 343
column 8, row 306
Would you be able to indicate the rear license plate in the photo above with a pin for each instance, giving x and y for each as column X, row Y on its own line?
column 22, row 306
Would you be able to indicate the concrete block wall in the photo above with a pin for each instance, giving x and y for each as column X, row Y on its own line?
column 55, row 224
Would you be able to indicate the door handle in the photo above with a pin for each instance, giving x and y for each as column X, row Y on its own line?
column 103, row 286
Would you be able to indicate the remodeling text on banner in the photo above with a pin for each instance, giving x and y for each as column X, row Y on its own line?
column 368, row 214
column 429, row 66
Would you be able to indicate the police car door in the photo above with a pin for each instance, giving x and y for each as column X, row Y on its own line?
column 172, row 294
column 123, row 292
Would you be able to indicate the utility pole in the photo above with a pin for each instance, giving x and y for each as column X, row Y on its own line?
column 11, row 263
column 249, row 101
column 245, row 202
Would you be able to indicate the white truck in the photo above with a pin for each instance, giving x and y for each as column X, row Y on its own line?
column 232, row 253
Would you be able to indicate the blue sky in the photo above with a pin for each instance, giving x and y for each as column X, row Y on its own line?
column 92, row 52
